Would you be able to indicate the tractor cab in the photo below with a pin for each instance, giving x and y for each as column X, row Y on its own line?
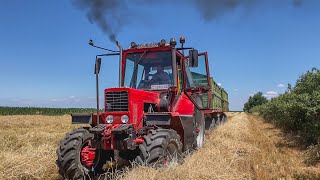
column 161, row 67
column 148, row 70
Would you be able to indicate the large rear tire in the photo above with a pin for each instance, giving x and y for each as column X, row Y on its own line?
column 200, row 126
column 69, row 158
column 160, row 147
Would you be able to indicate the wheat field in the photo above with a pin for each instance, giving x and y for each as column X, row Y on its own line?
column 28, row 145
column 243, row 148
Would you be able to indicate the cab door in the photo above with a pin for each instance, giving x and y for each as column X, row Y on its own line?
column 197, row 80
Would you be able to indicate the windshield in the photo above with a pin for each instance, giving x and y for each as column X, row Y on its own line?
column 148, row 70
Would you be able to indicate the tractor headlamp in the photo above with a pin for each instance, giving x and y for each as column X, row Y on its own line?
column 125, row 118
column 109, row 119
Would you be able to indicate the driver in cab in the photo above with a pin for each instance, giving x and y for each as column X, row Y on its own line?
column 160, row 77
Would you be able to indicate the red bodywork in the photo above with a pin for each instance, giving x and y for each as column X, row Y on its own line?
column 183, row 106
column 180, row 104
column 137, row 98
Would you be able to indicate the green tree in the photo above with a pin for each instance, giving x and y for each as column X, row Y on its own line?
column 298, row 110
column 255, row 100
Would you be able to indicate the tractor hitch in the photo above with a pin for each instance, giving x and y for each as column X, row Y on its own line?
column 116, row 136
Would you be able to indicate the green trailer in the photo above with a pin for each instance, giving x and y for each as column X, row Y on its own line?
column 218, row 96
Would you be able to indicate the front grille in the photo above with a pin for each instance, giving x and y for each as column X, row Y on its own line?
column 117, row 101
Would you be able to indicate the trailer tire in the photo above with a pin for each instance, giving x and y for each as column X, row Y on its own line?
column 224, row 118
column 218, row 120
column 160, row 147
column 69, row 163
column 209, row 122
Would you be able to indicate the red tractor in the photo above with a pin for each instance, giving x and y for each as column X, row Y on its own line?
column 164, row 103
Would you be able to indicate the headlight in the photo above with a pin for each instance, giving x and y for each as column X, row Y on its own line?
column 109, row 119
column 125, row 119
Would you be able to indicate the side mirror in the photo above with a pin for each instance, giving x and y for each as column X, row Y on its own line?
column 193, row 58
column 97, row 66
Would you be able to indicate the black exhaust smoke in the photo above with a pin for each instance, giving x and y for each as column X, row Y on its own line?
column 108, row 15
column 111, row 15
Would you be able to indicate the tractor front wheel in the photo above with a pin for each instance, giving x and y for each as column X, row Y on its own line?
column 76, row 158
column 160, row 147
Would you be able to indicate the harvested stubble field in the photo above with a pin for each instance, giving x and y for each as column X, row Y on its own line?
column 243, row 148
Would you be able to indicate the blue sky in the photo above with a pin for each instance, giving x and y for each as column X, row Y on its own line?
column 45, row 59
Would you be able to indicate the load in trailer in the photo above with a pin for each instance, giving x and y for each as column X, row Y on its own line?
column 164, row 103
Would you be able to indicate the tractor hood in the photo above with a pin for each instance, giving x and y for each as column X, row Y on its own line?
column 130, row 102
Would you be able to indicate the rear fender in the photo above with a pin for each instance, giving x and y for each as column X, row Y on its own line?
column 183, row 125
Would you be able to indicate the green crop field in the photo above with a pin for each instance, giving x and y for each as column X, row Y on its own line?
column 4, row 111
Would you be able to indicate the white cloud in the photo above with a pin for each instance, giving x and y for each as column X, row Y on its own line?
column 219, row 84
column 281, row 85
column 271, row 94
column 236, row 90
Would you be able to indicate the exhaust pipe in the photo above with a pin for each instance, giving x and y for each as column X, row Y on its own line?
column 120, row 63
column 97, row 70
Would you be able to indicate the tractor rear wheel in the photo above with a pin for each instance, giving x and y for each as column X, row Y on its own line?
column 70, row 156
column 160, row 147
column 200, row 128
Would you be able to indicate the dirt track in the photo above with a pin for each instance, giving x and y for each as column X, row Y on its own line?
column 243, row 148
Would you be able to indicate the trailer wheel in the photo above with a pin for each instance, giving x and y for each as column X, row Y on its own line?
column 209, row 122
column 69, row 156
column 160, row 147
column 224, row 118
column 218, row 120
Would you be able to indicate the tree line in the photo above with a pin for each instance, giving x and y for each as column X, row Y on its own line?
column 297, row 110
